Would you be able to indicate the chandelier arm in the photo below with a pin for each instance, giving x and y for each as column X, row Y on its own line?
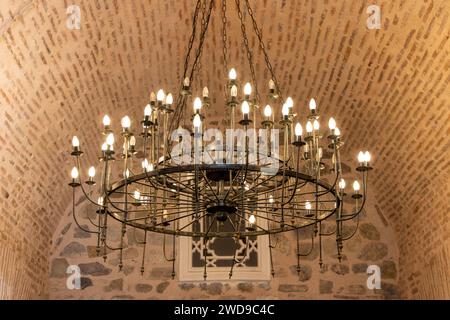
column 296, row 180
column 164, row 250
column 143, row 252
column 247, row 49
column 193, row 221
column 209, row 185
column 263, row 48
column 81, row 185
column 135, row 238
column 354, row 215
column 237, row 261
column 74, row 215
column 354, row 231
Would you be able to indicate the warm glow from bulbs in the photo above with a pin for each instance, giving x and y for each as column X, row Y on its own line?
column 100, row 201
column 308, row 205
column 248, row 89
column 75, row 142
column 145, row 164
column 252, row 219
column 361, row 157
column 232, row 74
column 312, row 104
column 337, row 132
column 148, row 111
column 197, row 104
column 316, row 125
column 309, row 127
column 137, row 195
column 74, row 173
column 91, row 172
column 289, row 102
column 152, row 97
column 104, row 146
column 126, row 122
column 356, row 186
column 205, row 92
column 271, row 84
column 342, row 184
column 110, row 139
column 267, row 111
column 298, row 129
column 106, row 120
column 245, row 107
column 367, row 156
column 186, row 82
column 160, row 95
column 233, row 92
column 197, row 121
column 132, row 141
column 169, row 99
column 332, row 124
column 285, row 110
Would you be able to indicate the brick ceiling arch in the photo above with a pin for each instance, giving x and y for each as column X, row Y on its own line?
column 388, row 89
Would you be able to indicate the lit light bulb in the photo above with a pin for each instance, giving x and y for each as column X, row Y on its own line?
column 308, row 205
column 285, row 110
column 232, row 74
column 316, row 125
column 169, row 99
column 289, row 102
column 148, row 111
column 367, row 156
column 298, row 129
column 150, row 167
column 252, row 219
column 127, row 173
column 337, row 132
column 361, row 157
column 100, row 201
column 110, row 139
column 197, row 121
column 271, row 200
column 332, row 124
column 126, row 122
column 205, row 92
column 132, row 141
column 233, row 92
column 342, row 184
column 74, row 173
column 160, row 95
column 91, row 172
column 197, row 105
column 248, row 89
column 271, row 84
column 312, row 105
column 267, row 111
column 245, row 108
column 186, row 82
column 152, row 97
column 356, row 186
column 106, row 120
column 309, row 127
column 145, row 164
column 137, row 195
column 104, row 146
column 75, row 142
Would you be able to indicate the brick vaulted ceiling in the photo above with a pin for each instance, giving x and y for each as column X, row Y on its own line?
column 388, row 89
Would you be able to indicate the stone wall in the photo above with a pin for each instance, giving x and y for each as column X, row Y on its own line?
column 373, row 244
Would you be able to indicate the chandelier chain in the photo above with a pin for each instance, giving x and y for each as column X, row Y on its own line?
column 263, row 48
column 224, row 40
column 248, row 50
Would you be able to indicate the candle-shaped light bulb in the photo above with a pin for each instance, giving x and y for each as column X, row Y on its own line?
column 308, row 205
column 332, row 124
column 342, row 184
column 312, row 105
column 252, row 219
column 337, row 132
column 126, row 122
column 148, row 111
column 91, row 172
column 150, row 167
column 232, row 74
column 356, row 186
column 233, row 92
column 137, row 195
column 271, row 199
column 169, row 99
column 110, row 139
column 309, row 127
column 361, row 157
column 160, row 95
column 75, row 142
column 367, row 157
column 205, row 92
column 104, row 146
column 285, row 110
column 197, row 105
column 74, row 173
column 100, row 201
column 127, row 173
column 316, row 125
column 132, row 141
column 145, row 164
column 289, row 102
column 197, row 121
column 106, row 120
column 245, row 108
column 152, row 97
column 186, row 82
column 271, row 84
column 298, row 130
column 248, row 89
column 267, row 111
